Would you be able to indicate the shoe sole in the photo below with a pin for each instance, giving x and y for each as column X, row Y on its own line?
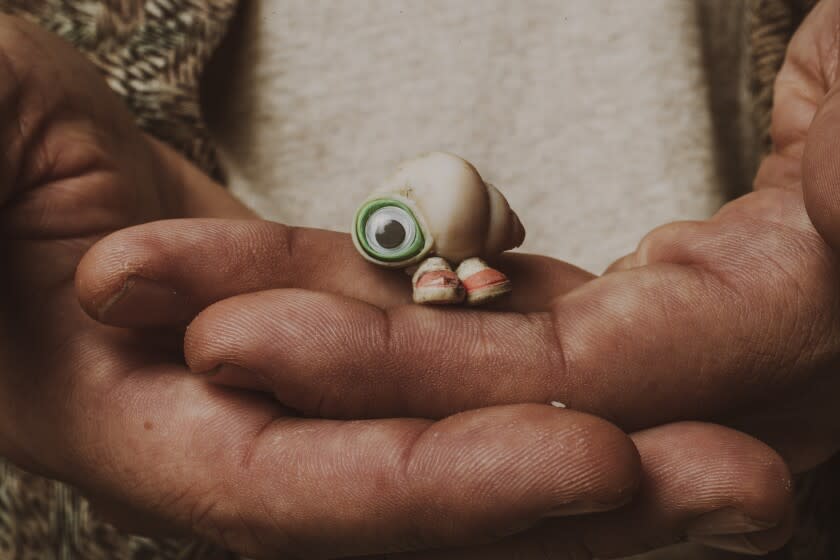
column 486, row 285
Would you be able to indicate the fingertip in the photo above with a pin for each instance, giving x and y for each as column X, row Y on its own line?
column 735, row 490
column 615, row 461
column 559, row 462
column 242, row 327
column 701, row 482
column 607, row 464
column 724, row 464
column 97, row 281
column 118, row 282
column 202, row 340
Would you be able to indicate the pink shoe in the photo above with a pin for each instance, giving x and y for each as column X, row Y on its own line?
column 481, row 282
column 435, row 283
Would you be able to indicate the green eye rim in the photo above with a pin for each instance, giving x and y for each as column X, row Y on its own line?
column 365, row 212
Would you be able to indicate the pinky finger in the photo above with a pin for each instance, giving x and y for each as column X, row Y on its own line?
column 701, row 483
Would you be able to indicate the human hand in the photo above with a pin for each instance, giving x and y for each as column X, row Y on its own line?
column 731, row 319
column 324, row 354
column 737, row 312
column 116, row 413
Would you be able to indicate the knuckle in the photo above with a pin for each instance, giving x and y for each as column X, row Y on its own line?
column 611, row 461
column 677, row 242
column 262, row 255
column 417, row 531
column 204, row 519
column 225, row 523
column 427, row 519
column 558, row 357
column 329, row 400
column 280, row 240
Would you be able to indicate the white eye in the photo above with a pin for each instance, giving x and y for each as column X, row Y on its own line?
column 390, row 230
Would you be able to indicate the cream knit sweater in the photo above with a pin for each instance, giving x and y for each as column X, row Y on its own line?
column 595, row 118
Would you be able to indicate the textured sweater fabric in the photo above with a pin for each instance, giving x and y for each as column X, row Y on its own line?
column 595, row 118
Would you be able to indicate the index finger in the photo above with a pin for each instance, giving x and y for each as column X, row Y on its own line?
column 702, row 330
column 164, row 273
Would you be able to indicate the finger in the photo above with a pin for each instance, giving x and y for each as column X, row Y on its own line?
column 227, row 466
column 329, row 356
column 821, row 171
column 628, row 346
column 663, row 244
column 805, row 119
column 164, row 273
column 701, row 482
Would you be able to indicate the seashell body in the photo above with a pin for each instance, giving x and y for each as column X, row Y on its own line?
column 456, row 213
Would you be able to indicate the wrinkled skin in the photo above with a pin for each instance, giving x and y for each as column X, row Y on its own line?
column 117, row 412
column 732, row 319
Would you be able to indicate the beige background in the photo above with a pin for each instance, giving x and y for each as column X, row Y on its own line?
column 592, row 116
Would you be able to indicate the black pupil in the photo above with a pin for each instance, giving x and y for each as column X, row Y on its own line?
column 390, row 234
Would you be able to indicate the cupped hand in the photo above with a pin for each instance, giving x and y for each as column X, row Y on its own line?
column 732, row 320
column 116, row 413
column 321, row 353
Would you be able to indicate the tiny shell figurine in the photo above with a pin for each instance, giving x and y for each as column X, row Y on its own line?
column 436, row 211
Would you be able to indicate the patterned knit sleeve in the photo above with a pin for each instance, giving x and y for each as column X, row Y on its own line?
column 772, row 24
column 152, row 53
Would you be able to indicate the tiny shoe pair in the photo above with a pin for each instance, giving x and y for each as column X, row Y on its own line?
column 475, row 281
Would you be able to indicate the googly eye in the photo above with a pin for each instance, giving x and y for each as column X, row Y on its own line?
column 388, row 231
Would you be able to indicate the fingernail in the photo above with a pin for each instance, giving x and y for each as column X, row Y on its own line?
column 727, row 529
column 582, row 507
column 726, row 521
column 212, row 372
column 235, row 376
column 733, row 543
column 144, row 302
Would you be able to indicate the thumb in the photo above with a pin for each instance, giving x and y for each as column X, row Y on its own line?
column 821, row 169
column 806, row 120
